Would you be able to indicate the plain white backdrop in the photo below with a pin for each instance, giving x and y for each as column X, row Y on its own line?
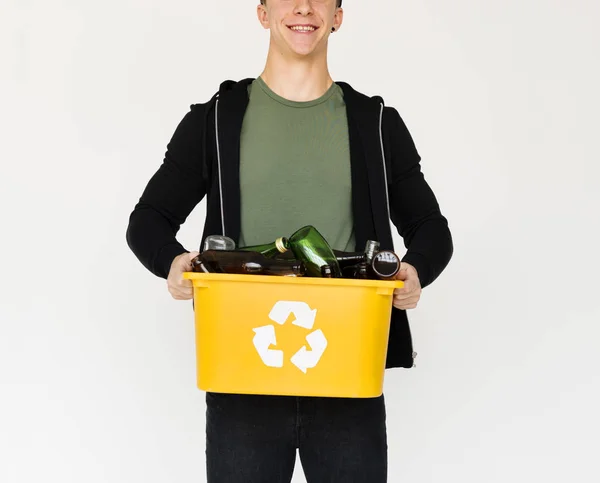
column 97, row 362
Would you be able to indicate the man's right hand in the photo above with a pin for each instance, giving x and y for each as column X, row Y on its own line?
column 179, row 288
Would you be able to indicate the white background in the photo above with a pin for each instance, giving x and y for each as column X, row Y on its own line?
column 97, row 362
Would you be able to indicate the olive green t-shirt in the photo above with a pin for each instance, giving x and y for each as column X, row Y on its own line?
column 295, row 168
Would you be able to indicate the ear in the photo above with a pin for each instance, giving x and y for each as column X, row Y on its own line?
column 338, row 18
column 263, row 16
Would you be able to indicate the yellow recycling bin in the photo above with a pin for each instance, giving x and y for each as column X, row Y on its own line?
column 294, row 336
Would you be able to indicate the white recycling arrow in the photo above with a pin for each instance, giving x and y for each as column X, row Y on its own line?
column 265, row 336
column 305, row 317
column 305, row 359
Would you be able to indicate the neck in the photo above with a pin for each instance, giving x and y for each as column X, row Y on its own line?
column 296, row 79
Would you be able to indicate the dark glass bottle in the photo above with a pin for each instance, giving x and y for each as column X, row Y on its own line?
column 362, row 271
column 326, row 271
column 348, row 271
column 250, row 263
column 347, row 259
column 384, row 266
column 270, row 250
column 309, row 246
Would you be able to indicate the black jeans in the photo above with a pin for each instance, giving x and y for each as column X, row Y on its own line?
column 253, row 439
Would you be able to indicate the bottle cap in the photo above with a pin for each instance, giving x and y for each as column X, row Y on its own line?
column 326, row 271
column 218, row 242
column 281, row 244
column 371, row 248
column 300, row 269
column 361, row 271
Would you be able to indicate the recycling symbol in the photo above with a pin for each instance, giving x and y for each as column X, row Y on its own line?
column 305, row 317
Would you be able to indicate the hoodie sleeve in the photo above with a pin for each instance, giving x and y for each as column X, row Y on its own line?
column 169, row 197
column 414, row 209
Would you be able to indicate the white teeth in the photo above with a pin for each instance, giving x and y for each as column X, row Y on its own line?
column 303, row 29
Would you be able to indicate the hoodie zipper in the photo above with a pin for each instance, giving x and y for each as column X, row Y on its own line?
column 387, row 198
column 385, row 178
column 219, row 166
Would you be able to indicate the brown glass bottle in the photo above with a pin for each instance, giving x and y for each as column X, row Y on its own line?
column 348, row 259
column 249, row 263
column 359, row 270
column 348, row 271
column 384, row 266
column 362, row 271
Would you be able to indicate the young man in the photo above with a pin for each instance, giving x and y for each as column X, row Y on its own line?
column 271, row 154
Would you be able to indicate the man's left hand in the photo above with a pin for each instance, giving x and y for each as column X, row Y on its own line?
column 408, row 296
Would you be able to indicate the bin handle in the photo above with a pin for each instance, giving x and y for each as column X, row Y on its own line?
column 389, row 290
column 199, row 284
column 196, row 282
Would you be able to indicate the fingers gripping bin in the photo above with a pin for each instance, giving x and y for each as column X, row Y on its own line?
column 274, row 335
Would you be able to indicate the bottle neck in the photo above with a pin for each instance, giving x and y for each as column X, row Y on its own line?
column 279, row 246
column 326, row 271
column 362, row 271
column 345, row 259
column 284, row 267
column 371, row 248
column 282, row 244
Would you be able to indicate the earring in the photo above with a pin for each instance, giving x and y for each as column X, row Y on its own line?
column 333, row 29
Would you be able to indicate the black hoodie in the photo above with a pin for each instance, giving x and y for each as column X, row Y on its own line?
column 387, row 184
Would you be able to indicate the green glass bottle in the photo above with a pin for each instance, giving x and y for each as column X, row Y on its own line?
column 269, row 250
column 309, row 246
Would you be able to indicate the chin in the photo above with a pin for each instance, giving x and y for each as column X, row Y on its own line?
column 303, row 49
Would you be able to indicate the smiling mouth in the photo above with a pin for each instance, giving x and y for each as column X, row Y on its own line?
column 303, row 29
